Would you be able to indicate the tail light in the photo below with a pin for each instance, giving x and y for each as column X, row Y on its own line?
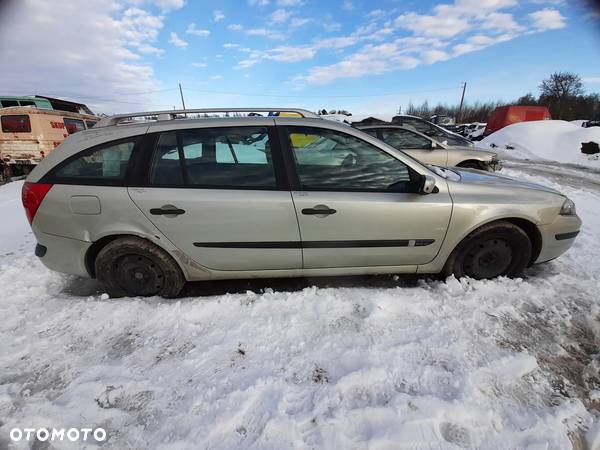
column 32, row 196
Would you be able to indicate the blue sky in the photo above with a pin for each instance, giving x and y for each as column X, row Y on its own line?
column 364, row 56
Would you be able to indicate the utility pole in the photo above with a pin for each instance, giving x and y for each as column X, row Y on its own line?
column 462, row 99
column 183, row 101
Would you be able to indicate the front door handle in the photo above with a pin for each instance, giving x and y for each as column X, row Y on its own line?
column 167, row 210
column 319, row 211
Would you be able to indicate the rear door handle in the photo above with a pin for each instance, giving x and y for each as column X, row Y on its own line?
column 319, row 210
column 167, row 211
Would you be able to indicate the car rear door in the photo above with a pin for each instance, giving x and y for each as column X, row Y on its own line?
column 221, row 196
column 357, row 205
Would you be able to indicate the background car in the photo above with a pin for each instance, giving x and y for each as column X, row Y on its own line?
column 429, row 151
column 423, row 126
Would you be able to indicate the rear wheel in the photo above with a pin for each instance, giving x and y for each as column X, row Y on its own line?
column 132, row 266
column 496, row 249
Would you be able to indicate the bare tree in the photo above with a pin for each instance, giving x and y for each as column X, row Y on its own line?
column 558, row 89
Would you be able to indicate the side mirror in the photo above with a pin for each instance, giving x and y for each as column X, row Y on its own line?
column 427, row 185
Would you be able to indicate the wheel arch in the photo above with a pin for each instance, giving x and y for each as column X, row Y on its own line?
column 479, row 163
column 529, row 227
column 97, row 246
column 533, row 233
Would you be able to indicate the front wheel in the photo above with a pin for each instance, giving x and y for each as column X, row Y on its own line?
column 131, row 267
column 496, row 249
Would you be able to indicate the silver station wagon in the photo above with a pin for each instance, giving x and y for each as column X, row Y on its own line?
column 145, row 202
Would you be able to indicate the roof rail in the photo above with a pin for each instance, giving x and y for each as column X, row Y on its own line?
column 172, row 114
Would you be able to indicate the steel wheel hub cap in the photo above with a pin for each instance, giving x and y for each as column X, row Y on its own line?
column 138, row 275
column 488, row 259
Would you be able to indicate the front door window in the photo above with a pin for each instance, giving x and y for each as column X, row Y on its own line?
column 331, row 160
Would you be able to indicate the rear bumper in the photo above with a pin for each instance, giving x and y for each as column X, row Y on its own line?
column 558, row 237
column 62, row 254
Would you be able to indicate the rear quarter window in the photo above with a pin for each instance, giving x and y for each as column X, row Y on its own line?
column 102, row 165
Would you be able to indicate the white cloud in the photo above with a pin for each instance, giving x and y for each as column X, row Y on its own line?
column 279, row 16
column 199, row 65
column 291, row 54
column 191, row 29
column 290, row 2
column 370, row 60
column 258, row 2
column 218, row 15
column 163, row 5
column 501, row 22
column 216, row 77
column 230, row 45
column 150, row 50
column 348, row 5
column 433, row 56
column 177, row 41
column 139, row 27
column 332, row 27
column 298, row 22
column 548, row 19
column 442, row 25
column 103, row 63
column 264, row 32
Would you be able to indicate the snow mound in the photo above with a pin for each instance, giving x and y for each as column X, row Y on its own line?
column 555, row 140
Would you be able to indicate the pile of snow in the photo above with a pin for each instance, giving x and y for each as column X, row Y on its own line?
column 462, row 364
column 555, row 140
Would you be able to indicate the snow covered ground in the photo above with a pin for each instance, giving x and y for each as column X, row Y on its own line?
column 380, row 363
column 554, row 140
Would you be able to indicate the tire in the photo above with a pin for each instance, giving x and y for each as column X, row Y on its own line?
column 496, row 249
column 470, row 165
column 134, row 267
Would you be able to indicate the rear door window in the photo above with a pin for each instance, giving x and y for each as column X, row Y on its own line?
column 9, row 103
column 404, row 139
column 106, row 164
column 232, row 157
column 372, row 132
column 73, row 125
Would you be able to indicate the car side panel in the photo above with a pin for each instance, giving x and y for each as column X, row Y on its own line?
column 476, row 207
column 228, row 229
column 117, row 215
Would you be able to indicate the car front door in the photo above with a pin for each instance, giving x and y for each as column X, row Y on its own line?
column 359, row 206
column 219, row 196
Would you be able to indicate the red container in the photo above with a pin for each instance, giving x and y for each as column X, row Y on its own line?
column 506, row 115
